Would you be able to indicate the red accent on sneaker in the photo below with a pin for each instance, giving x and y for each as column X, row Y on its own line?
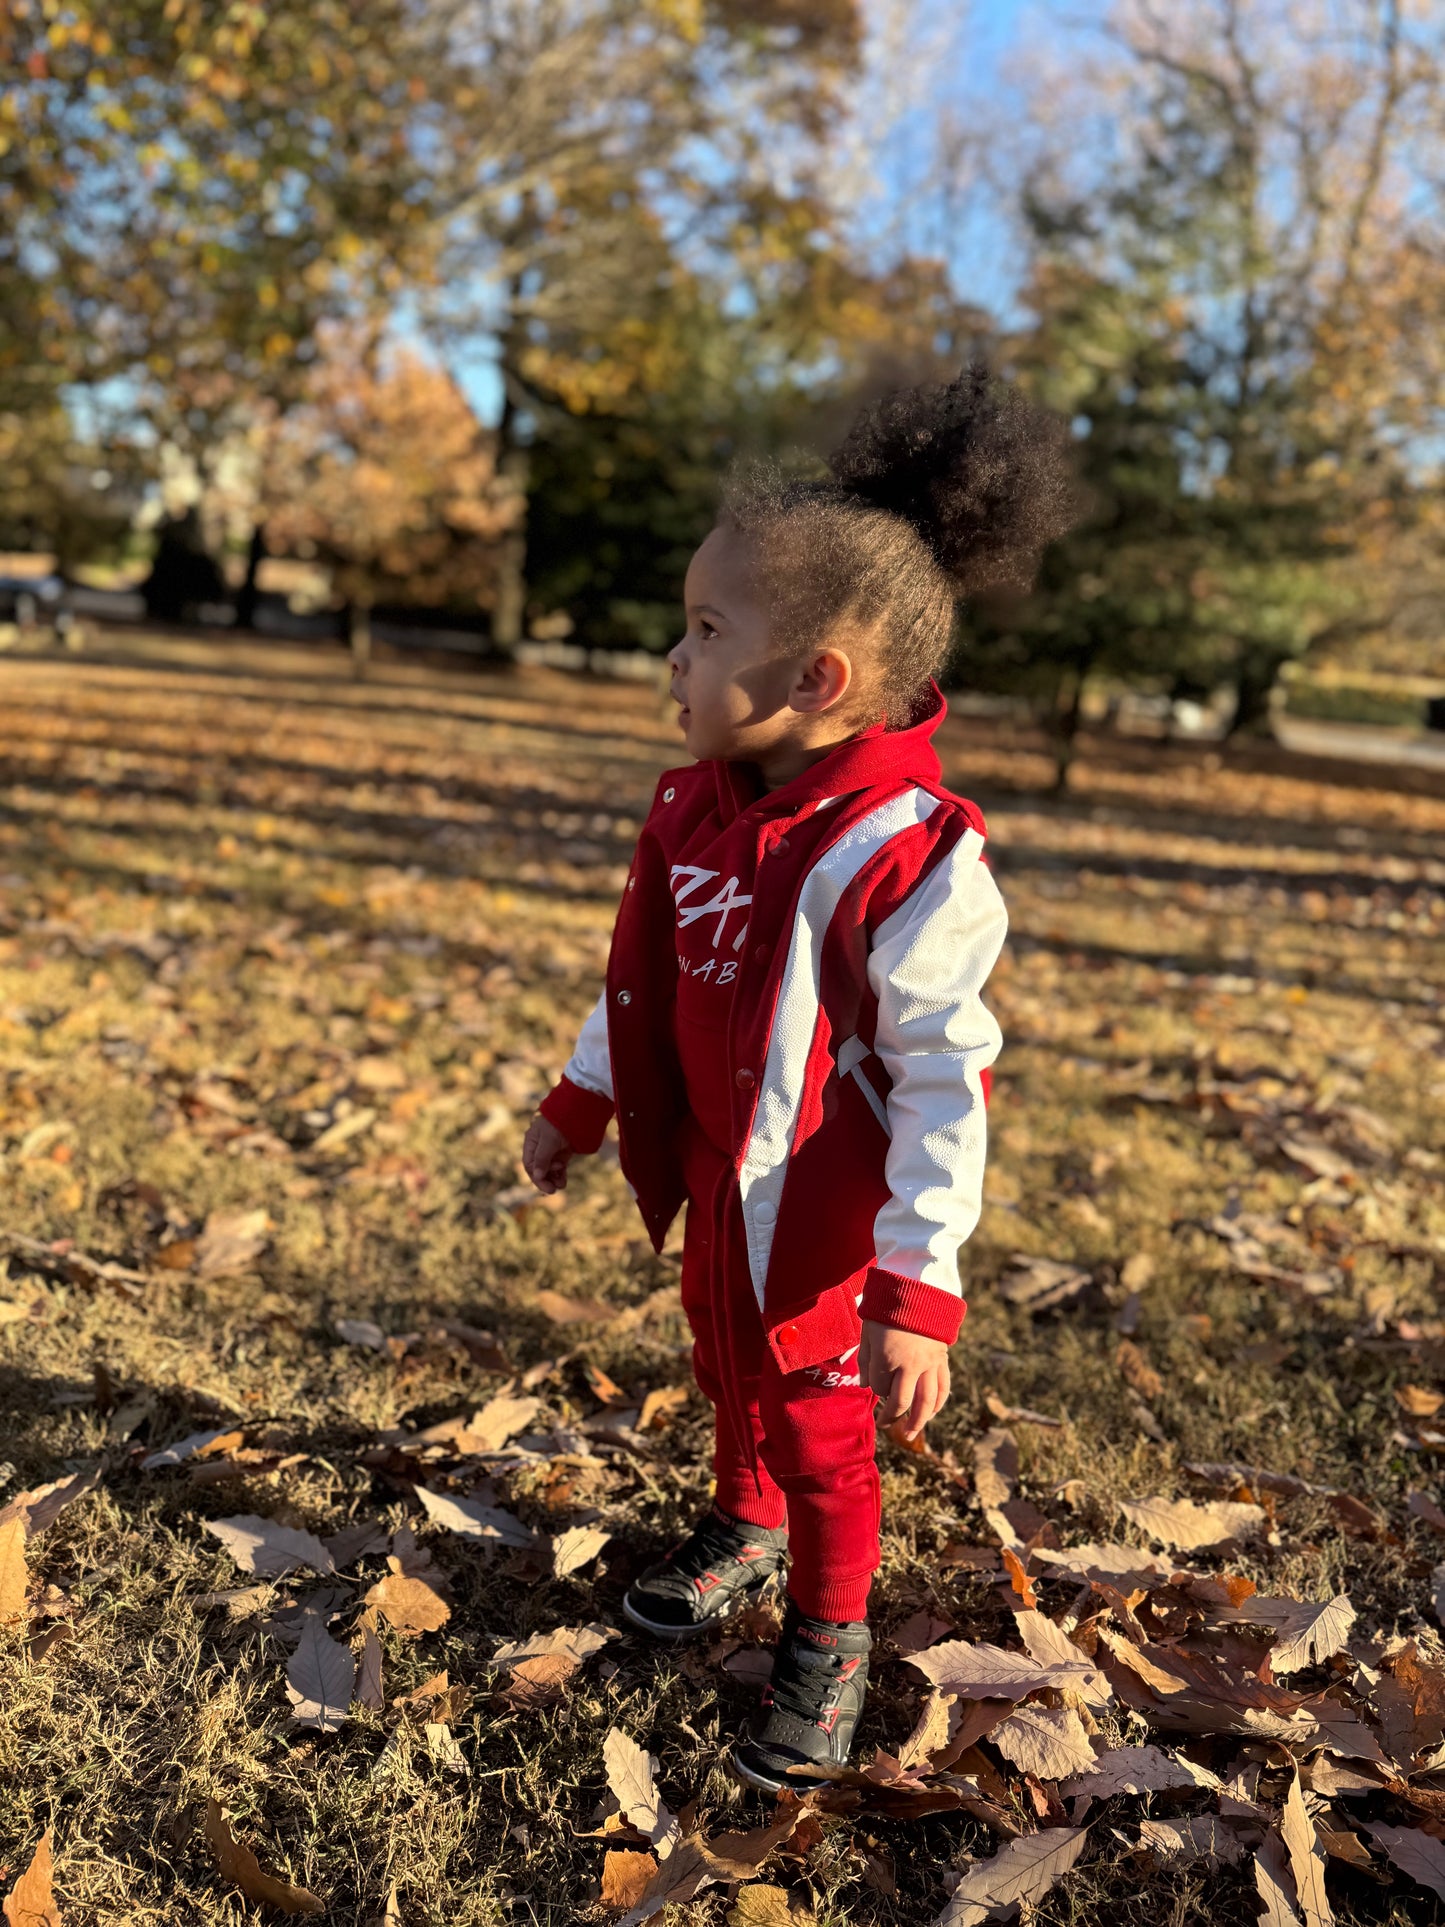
column 827, row 1721
column 706, row 1581
column 818, row 1639
column 747, row 1554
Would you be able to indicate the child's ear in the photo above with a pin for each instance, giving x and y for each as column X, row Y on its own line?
column 822, row 682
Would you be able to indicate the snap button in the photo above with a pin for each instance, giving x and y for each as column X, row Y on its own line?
column 624, row 996
column 632, row 883
column 780, row 848
column 668, row 794
column 762, row 951
column 744, row 1080
column 787, row 1334
column 764, row 1213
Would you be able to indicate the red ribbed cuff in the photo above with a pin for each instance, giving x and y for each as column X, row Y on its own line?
column 891, row 1299
column 841, row 1600
column 581, row 1116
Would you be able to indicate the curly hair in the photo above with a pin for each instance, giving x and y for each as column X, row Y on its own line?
column 935, row 494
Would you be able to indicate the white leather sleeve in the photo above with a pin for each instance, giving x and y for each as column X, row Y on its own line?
column 927, row 968
column 590, row 1065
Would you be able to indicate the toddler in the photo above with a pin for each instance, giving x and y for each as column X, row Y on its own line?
column 792, row 1036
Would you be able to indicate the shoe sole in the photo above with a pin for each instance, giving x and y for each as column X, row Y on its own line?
column 775, row 1783
column 660, row 1631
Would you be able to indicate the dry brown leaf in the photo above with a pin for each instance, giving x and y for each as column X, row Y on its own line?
column 197, row 1444
column 14, row 1573
column 1424, row 1507
column 409, row 1604
column 660, row 1405
column 995, row 1466
column 31, row 1901
column 1135, row 1369
column 1275, row 1883
column 1314, row 1633
column 1204, row 1836
column 320, row 1678
column 572, row 1311
column 629, row 1775
column 261, row 1546
column 1191, row 1527
column 1018, row 1578
column 230, row 1242
column 1050, row 1645
column 626, row 1877
column 359, row 1541
column 42, row 1506
column 975, row 1670
column 1048, row 1741
column 537, row 1682
column 1307, row 1862
column 474, row 1520
column 566, row 1642
column 1420, row 1401
column 369, row 1691
column 766, row 1907
column 930, row 1733
column 1041, row 1284
column 680, row 1874
column 1017, row 1414
column 498, row 1420
column 240, row 1866
column 1119, row 1565
column 1417, row 1854
column 1138, row 1769
column 738, row 1856
column 575, row 1548
column 1023, row 1871
column 1154, row 1676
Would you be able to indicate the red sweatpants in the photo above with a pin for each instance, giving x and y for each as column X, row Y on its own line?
column 812, row 1430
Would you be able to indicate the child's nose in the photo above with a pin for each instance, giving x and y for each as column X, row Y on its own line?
column 675, row 656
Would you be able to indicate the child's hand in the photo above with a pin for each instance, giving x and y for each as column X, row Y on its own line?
column 909, row 1373
column 546, row 1155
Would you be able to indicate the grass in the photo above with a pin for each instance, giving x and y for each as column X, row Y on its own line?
column 245, row 901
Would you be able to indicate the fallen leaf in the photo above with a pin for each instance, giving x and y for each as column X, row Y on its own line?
column 1041, row 1284
column 1135, row 1369
column 409, row 1604
column 976, row 1670
column 1417, row 1854
column 1017, row 1414
column 263, row 1547
column 1315, row 1633
column 343, row 1130
column 766, row 1907
column 1419, row 1400
column 1050, row 1645
column 930, row 1732
column 995, row 1466
column 230, row 1241
column 31, row 1901
column 625, row 1877
column 195, row 1444
column 40, row 1644
column 42, row 1506
column 320, row 1678
column 738, row 1856
column 629, row 1775
column 498, row 1420
column 1023, row 1871
column 14, row 1573
column 1357, row 1519
column 360, row 1331
column 1204, row 1836
column 572, row 1311
column 1018, row 1578
column 1424, row 1507
column 1049, row 1741
column 576, row 1643
column 369, row 1691
column 474, row 1520
column 680, row 1875
column 660, row 1405
column 1107, row 1560
column 1275, row 1883
column 444, row 1747
column 1307, row 1861
column 1137, row 1769
column 355, row 1542
column 1191, row 1527
column 240, row 1866
column 537, row 1682
column 575, row 1548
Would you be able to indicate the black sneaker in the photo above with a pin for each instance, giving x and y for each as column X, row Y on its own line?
column 811, row 1707
column 723, row 1563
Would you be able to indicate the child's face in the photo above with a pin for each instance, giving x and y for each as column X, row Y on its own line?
column 740, row 696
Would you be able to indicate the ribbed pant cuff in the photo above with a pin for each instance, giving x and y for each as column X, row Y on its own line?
column 754, row 1509
column 841, row 1600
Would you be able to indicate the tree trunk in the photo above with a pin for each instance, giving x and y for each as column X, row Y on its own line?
column 247, row 593
column 359, row 628
column 1258, row 675
column 1064, row 720
column 510, row 608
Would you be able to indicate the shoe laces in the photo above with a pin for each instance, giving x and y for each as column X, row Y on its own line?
column 711, row 1542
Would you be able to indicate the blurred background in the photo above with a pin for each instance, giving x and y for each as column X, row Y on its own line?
column 433, row 322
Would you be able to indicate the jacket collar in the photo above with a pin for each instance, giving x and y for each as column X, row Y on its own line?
column 874, row 757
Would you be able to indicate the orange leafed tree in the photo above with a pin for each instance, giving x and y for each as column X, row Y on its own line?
column 386, row 475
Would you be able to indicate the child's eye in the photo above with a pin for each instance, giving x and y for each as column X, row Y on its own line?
column 708, row 632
